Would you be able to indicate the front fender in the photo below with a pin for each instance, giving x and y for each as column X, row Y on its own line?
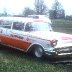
column 33, row 45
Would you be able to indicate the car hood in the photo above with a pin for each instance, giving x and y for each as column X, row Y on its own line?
column 64, row 39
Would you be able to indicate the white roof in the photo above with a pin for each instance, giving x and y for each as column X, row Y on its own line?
column 44, row 17
column 25, row 19
column 21, row 19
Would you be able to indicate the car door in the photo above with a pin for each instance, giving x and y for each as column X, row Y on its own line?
column 5, row 25
column 17, row 36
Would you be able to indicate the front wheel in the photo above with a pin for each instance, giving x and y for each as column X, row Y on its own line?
column 38, row 52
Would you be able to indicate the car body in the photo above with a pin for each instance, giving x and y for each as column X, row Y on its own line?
column 34, row 35
column 45, row 17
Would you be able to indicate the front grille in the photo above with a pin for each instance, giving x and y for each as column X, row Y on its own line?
column 64, row 50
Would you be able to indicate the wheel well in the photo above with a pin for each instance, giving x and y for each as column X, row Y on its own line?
column 33, row 47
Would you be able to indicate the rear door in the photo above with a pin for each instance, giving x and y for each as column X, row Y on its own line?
column 5, row 26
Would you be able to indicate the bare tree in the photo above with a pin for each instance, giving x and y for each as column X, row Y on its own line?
column 40, row 7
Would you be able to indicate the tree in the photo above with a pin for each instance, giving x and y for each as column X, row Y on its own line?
column 57, row 10
column 40, row 7
column 4, row 13
column 68, row 17
column 27, row 11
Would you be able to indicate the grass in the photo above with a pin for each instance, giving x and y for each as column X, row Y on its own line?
column 16, row 61
column 12, row 60
column 64, row 26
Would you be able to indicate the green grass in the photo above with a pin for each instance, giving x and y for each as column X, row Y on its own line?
column 16, row 61
column 64, row 26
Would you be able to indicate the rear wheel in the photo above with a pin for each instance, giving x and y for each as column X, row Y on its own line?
column 38, row 52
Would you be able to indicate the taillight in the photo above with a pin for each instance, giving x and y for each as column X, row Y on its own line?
column 53, row 43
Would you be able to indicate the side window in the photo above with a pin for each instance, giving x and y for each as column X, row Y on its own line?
column 18, row 25
column 1, row 23
column 5, row 24
column 28, row 27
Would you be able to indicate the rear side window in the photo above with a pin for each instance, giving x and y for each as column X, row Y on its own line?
column 18, row 25
column 5, row 24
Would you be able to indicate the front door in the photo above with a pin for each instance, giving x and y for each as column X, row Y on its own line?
column 17, row 36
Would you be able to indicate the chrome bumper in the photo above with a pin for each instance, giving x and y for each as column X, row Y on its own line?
column 64, row 54
column 60, row 51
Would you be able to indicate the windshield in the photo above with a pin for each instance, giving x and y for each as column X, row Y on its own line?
column 38, row 26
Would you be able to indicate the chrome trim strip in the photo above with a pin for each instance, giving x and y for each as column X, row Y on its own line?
column 65, row 54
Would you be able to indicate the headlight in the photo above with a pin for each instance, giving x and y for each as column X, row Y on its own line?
column 53, row 43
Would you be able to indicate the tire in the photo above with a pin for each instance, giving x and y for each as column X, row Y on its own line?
column 38, row 52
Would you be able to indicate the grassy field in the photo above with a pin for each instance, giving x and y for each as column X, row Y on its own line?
column 62, row 26
column 16, row 61
column 12, row 60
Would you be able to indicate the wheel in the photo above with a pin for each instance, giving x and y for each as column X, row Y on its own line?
column 38, row 52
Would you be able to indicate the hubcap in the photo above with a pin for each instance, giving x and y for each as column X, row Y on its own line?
column 38, row 52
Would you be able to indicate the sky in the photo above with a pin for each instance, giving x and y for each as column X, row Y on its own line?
column 17, row 6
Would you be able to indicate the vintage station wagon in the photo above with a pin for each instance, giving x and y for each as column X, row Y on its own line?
column 35, row 36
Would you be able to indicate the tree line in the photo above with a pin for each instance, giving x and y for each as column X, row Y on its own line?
column 56, row 12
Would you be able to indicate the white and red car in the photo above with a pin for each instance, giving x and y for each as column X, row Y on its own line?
column 34, row 35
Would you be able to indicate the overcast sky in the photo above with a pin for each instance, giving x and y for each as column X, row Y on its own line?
column 16, row 6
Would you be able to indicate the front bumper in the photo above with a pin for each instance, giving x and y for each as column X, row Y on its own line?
column 63, row 51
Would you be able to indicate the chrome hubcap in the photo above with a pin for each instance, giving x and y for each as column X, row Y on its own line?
column 38, row 52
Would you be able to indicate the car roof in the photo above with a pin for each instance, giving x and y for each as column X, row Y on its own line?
column 42, row 17
column 24, row 19
column 21, row 19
